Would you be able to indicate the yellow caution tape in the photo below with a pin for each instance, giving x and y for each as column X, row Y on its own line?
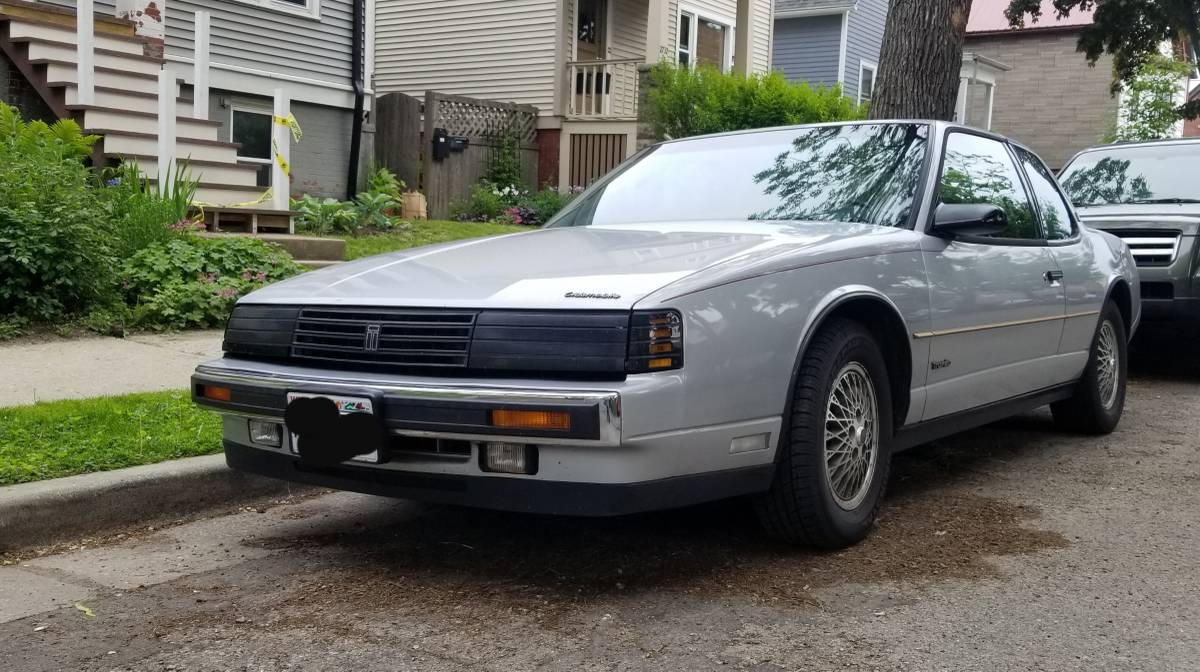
column 292, row 124
column 297, row 134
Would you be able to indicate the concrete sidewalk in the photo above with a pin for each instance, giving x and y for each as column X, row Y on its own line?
column 102, row 366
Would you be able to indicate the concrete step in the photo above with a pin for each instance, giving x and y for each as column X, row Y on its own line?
column 39, row 49
column 304, row 249
column 146, row 144
column 23, row 27
column 186, row 128
column 317, row 265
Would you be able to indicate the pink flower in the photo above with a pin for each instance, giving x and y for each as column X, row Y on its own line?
column 228, row 293
column 208, row 278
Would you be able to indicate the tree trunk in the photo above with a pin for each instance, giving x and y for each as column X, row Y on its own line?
column 920, row 60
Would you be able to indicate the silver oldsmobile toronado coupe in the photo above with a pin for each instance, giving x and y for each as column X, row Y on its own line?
column 770, row 313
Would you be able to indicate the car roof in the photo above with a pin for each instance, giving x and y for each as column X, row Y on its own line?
column 937, row 125
column 1142, row 143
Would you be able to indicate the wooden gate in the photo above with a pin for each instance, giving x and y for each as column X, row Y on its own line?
column 594, row 154
column 404, row 141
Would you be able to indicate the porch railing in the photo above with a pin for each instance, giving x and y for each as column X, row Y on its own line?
column 603, row 89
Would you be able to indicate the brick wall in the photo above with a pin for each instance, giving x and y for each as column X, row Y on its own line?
column 1052, row 100
column 18, row 93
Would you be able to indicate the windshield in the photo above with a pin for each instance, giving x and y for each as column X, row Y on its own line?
column 854, row 173
column 1161, row 173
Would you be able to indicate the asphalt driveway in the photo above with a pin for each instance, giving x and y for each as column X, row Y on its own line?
column 1013, row 547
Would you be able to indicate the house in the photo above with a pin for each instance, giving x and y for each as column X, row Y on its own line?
column 1050, row 98
column 828, row 42
column 1191, row 127
column 257, row 55
column 579, row 62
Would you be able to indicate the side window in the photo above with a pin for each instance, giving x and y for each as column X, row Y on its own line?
column 1056, row 216
column 980, row 170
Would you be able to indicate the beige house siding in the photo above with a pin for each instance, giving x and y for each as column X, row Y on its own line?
column 494, row 49
column 1051, row 100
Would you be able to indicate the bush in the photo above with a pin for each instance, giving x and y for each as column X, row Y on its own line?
column 139, row 214
column 55, row 253
column 194, row 281
column 487, row 203
column 682, row 102
column 372, row 211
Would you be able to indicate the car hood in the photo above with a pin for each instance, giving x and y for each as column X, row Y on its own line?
column 1184, row 217
column 594, row 267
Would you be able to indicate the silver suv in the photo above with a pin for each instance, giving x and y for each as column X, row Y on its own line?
column 1147, row 193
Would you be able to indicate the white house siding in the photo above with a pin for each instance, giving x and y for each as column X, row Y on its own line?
column 864, row 39
column 493, row 49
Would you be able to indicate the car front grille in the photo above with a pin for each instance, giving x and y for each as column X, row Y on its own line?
column 414, row 338
column 1154, row 247
column 445, row 342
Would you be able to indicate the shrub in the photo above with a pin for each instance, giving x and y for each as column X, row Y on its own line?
column 194, row 282
column 139, row 214
column 372, row 211
column 54, row 242
column 324, row 216
column 486, row 203
column 504, row 163
column 682, row 102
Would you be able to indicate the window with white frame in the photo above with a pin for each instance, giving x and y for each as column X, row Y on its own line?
column 311, row 8
column 866, row 81
column 251, row 127
column 704, row 40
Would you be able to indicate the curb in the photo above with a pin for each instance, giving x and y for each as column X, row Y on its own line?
column 88, row 505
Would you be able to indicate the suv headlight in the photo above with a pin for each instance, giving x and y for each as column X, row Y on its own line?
column 655, row 341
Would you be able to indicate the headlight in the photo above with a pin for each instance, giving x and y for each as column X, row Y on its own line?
column 260, row 331
column 655, row 341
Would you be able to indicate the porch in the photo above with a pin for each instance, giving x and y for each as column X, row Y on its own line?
column 607, row 42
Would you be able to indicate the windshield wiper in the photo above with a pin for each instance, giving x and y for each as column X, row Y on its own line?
column 1154, row 201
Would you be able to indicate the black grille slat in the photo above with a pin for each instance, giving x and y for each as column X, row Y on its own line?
column 403, row 338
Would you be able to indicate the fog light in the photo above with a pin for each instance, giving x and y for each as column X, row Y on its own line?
column 510, row 458
column 265, row 433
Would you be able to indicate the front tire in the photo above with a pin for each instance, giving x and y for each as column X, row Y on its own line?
column 835, row 453
column 1099, row 398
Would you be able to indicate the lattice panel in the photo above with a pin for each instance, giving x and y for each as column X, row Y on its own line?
column 479, row 119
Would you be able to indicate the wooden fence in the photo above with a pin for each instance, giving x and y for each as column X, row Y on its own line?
column 405, row 128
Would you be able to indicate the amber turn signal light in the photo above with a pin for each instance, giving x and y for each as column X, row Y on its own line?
column 554, row 420
column 215, row 393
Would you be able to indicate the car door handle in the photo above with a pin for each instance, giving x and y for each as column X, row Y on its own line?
column 1051, row 277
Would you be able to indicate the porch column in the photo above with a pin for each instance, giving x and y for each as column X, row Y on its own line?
column 743, row 40
column 84, row 60
column 202, row 25
column 281, row 137
column 658, row 44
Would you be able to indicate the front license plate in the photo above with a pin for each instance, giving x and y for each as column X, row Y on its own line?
column 345, row 406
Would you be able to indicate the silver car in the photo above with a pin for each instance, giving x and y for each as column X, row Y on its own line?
column 770, row 313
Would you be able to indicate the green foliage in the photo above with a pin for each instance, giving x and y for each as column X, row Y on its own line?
column 1132, row 32
column 139, row 214
column 683, row 102
column 373, row 210
column 324, row 216
column 54, row 241
column 1149, row 104
column 504, row 164
column 63, row 438
column 194, row 281
column 540, row 206
column 486, row 203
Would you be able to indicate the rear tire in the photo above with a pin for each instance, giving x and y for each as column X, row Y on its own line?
column 835, row 452
column 1099, row 398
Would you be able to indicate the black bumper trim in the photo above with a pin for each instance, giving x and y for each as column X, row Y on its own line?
column 524, row 495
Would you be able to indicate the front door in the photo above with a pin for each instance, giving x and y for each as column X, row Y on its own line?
column 591, row 36
column 997, row 304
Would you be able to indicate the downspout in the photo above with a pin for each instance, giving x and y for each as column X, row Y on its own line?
column 356, row 76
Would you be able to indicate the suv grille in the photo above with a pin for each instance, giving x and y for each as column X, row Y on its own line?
column 380, row 336
column 1151, row 248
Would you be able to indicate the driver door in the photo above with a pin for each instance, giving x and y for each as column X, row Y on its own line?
column 997, row 303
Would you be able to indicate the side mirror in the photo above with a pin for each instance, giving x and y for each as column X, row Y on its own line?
column 968, row 219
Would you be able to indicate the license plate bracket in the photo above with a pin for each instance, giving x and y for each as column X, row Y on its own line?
column 346, row 405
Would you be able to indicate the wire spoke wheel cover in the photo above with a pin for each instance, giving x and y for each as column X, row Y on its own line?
column 1107, row 365
column 851, row 436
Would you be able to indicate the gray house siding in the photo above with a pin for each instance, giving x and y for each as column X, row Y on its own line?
column 864, row 37
column 806, row 49
column 251, row 36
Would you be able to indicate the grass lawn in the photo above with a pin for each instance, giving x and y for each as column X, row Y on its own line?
column 424, row 233
column 63, row 438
